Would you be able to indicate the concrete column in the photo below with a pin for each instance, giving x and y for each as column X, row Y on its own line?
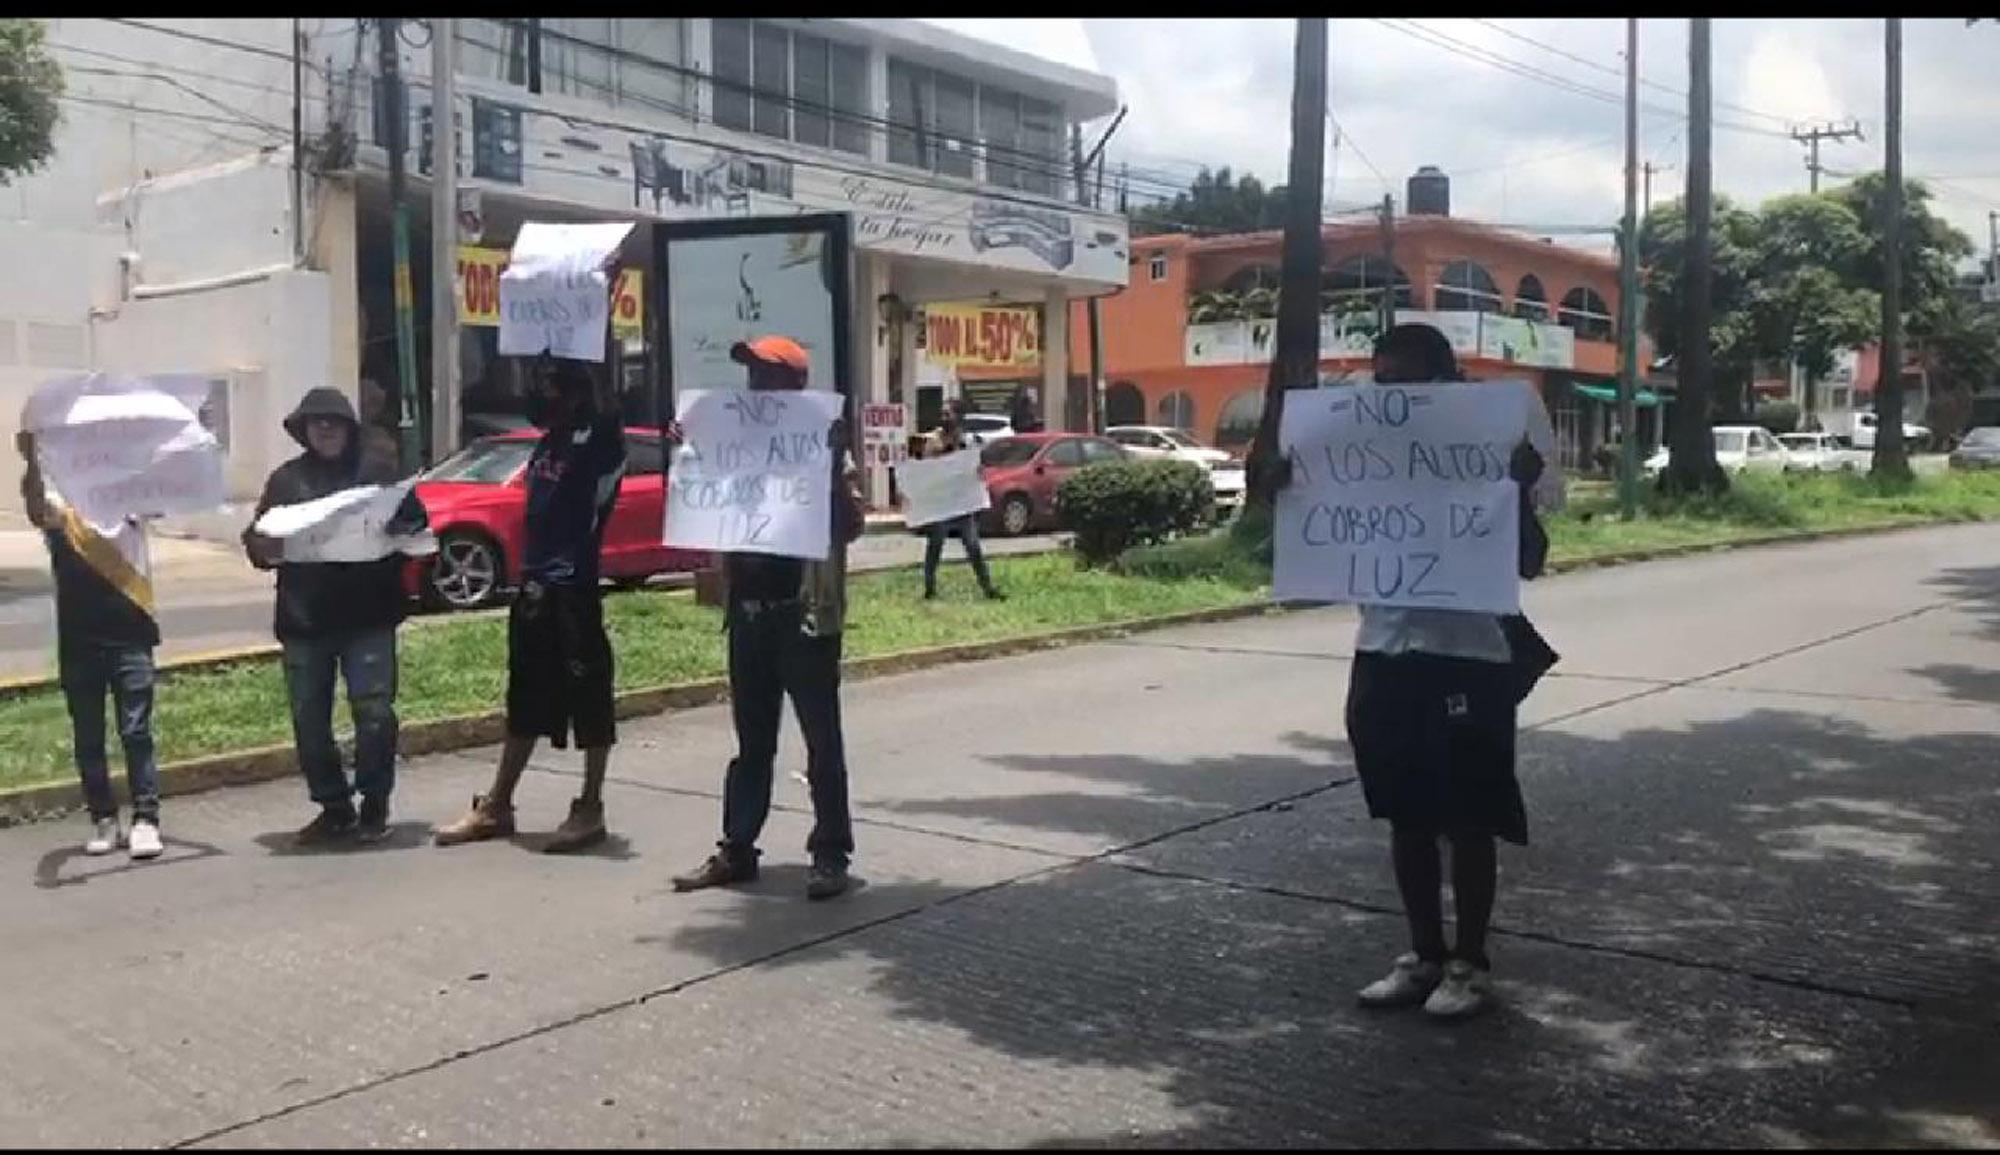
column 878, row 103
column 869, row 337
column 1055, row 359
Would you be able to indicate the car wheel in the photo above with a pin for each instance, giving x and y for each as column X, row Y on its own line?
column 1016, row 514
column 467, row 572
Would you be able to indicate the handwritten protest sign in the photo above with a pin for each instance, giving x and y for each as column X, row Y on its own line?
column 939, row 488
column 119, row 447
column 754, row 472
column 1400, row 496
column 349, row 526
column 555, row 296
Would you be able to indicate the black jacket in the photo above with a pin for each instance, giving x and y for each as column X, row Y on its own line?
column 324, row 598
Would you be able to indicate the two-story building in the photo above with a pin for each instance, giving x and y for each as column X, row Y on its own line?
column 1188, row 342
column 220, row 200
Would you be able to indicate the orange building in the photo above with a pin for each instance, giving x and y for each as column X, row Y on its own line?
column 1187, row 342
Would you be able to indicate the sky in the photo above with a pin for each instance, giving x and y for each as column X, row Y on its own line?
column 1493, row 103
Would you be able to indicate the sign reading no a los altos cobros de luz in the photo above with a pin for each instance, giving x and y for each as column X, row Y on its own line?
column 1401, row 496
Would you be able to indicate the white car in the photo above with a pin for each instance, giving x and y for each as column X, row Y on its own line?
column 1225, row 473
column 1865, row 424
column 981, row 428
column 1819, row 453
column 1738, row 449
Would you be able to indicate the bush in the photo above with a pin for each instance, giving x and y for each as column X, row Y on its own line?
column 1779, row 417
column 1120, row 504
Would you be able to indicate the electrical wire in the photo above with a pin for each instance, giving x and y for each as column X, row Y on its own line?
column 243, row 117
column 215, row 41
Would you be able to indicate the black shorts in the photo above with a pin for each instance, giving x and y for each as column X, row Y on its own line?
column 1433, row 741
column 559, row 667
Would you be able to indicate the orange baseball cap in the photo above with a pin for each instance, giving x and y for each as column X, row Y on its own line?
column 772, row 351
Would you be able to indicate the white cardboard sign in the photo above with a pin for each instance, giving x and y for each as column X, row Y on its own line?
column 348, row 526
column 120, row 447
column 754, row 473
column 1400, row 496
column 555, row 295
column 940, row 488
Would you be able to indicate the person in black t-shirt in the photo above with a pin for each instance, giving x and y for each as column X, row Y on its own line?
column 105, row 636
column 559, row 662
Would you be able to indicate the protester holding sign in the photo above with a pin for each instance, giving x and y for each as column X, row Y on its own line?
column 949, row 437
column 1433, row 691
column 105, row 636
column 337, row 619
column 785, row 615
column 559, row 661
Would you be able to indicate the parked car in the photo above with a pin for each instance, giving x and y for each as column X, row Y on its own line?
column 477, row 501
column 1023, row 472
column 1738, row 449
column 1865, row 424
column 1979, row 450
column 1820, row 453
column 981, row 428
column 1225, row 472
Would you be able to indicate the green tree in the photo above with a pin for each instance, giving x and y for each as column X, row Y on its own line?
column 1218, row 202
column 1733, row 274
column 30, row 83
column 1965, row 356
column 1932, row 248
column 1805, row 303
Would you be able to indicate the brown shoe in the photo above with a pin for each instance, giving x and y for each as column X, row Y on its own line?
column 584, row 827
column 485, row 820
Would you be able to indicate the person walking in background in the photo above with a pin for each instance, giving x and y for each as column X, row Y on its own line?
column 950, row 437
column 105, row 637
column 559, row 660
column 337, row 619
column 784, row 617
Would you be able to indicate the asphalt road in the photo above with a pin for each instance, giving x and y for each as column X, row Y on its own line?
column 210, row 599
column 1121, row 893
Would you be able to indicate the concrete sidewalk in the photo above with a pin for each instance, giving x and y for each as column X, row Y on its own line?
column 1116, row 894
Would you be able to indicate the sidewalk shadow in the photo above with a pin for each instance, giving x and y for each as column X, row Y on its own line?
column 615, row 847
column 402, row 836
column 48, row 871
column 1717, row 939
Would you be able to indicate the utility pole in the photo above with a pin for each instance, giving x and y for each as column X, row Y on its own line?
column 1891, row 458
column 1810, row 137
column 1692, row 466
column 1295, row 357
column 1628, row 289
column 444, row 237
column 1387, row 309
column 1093, row 391
column 1992, row 246
column 396, row 119
column 1648, row 169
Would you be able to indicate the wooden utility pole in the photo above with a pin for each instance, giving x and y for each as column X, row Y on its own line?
column 1295, row 359
column 396, row 120
column 1891, row 458
column 1093, row 390
column 444, row 238
column 1387, row 308
column 1810, row 137
column 1646, row 201
column 1628, row 289
column 1692, row 467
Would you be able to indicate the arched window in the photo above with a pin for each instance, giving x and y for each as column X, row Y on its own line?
column 1356, row 284
column 1531, row 301
column 1237, row 426
column 1252, row 277
column 1585, row 311
column 1466, row 286
column 1177, row 411
column 1124, row 404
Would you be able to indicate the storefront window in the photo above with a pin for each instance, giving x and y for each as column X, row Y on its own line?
column 790, row 85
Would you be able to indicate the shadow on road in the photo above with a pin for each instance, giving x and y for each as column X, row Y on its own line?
column 49, row 870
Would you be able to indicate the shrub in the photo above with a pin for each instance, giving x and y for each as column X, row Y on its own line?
column 1117, row 505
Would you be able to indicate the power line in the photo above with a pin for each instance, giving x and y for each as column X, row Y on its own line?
column 207, row 75
column 244, row 118
column 155, row 110
column 1358, row 150
column 216, row 41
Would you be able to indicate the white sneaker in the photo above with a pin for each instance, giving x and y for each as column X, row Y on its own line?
column 1465, row 991
column 146, row 839
column 105, row 837
column 1406, row 986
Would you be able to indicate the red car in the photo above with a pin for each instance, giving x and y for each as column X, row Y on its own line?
column 1023, row 472
column 477, row 500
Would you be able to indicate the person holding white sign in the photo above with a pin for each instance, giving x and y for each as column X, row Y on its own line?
column 337, row 619
column 559, row 662
column 1431, row 707
column 949, row 437
column 785, row 616
column 105, row 637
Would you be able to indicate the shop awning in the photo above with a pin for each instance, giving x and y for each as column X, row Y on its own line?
column 1609, row 394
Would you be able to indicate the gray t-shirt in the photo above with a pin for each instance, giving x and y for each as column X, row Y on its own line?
column 1442, row 633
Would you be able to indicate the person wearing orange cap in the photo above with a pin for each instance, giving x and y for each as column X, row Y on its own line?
column 785, row 616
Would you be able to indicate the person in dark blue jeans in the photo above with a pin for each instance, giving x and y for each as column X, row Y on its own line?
column 950, row 438
column 337, row 619
column 105, row 635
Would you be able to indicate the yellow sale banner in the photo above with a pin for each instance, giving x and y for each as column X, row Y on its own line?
column 479, row 272
column 981, row 336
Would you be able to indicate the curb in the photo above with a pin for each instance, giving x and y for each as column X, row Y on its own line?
column 29, row 803
column 23, row 804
